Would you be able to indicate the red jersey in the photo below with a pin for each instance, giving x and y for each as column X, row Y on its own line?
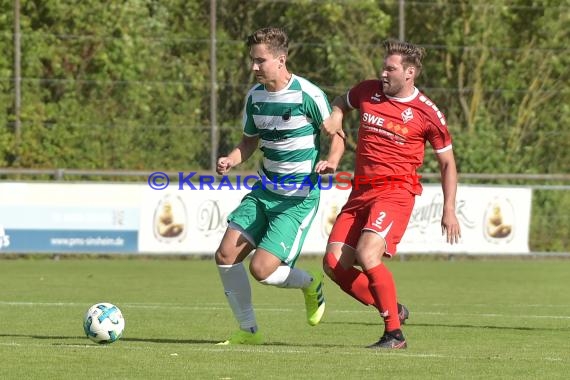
column 393, row 133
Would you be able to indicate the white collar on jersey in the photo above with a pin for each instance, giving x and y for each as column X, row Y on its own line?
column 407, row 98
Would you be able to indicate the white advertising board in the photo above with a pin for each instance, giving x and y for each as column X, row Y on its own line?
column 68, row 218
column 185, row 221
column 134, row 218
column 493, row 220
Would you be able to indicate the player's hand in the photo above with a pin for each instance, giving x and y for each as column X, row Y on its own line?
column 450, row 227
column 325, row 167
column 224, row 165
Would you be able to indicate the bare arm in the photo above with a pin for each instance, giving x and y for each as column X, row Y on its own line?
column 332, row 127
column 241, row 153
column 335, row 154
column 448, row 171
column 333, row 124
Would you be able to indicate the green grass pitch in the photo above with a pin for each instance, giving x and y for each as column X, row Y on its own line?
column 469, row 319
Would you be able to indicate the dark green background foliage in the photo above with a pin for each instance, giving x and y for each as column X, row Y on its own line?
column 126, row 84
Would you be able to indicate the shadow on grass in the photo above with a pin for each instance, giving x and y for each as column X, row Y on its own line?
column 175, row 341
column 124, row 339
column 165, row 341
column 459, row 326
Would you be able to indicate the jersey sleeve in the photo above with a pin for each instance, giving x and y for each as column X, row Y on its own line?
column 354, row 95
column 437, row 133
column 317, row 106
column 249, row 127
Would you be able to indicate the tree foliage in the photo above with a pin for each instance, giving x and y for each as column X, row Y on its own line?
column 126, row 85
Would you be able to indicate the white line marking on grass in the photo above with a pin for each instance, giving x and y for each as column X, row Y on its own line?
column 218, row 306
column 266, row 349
column 493, row 305
column 494, row 315
column 21, row 303
column 51, row 345
column 129, row 305
column 272, row 350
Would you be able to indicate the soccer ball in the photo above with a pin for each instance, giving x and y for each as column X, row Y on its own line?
column 103, row 323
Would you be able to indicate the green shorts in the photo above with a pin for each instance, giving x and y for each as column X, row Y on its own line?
column 277, row 224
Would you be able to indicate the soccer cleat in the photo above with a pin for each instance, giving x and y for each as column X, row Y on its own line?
column 403, row 313
column 393, row 340
column 314, row 299
column 243, row 337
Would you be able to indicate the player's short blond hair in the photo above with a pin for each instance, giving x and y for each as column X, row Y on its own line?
column 275, row 38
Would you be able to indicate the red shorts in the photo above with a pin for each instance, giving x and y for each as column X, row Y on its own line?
column 384, row 211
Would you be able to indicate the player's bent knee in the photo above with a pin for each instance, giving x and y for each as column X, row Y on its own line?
column 220, row 257
column 330, row 263
column 226, row 257
column 258, row 271
column 255, row 273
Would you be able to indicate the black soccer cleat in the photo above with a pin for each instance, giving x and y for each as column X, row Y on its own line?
column 403, row 313
column 393, row 340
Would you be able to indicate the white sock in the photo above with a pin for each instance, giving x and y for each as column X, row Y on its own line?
column 286, row 277
column 238, row 292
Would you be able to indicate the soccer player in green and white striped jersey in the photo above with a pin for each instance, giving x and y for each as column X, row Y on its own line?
column 282, row 116
column 287, row 123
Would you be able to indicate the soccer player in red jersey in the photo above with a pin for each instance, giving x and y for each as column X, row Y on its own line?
column 396, row 120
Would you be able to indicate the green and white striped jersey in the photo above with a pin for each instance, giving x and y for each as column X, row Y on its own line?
column 288, row 125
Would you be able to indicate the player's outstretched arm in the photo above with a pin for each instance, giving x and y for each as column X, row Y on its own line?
column 330, row 165
column 333, row 124
column 449, row 223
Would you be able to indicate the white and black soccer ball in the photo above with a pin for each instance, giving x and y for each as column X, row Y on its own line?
column 104, row 323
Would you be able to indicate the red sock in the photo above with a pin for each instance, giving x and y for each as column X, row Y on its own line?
column 351, row 280
column 383, row 290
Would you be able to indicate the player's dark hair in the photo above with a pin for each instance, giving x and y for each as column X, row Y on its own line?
column 275, row 38
column 411, row 54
